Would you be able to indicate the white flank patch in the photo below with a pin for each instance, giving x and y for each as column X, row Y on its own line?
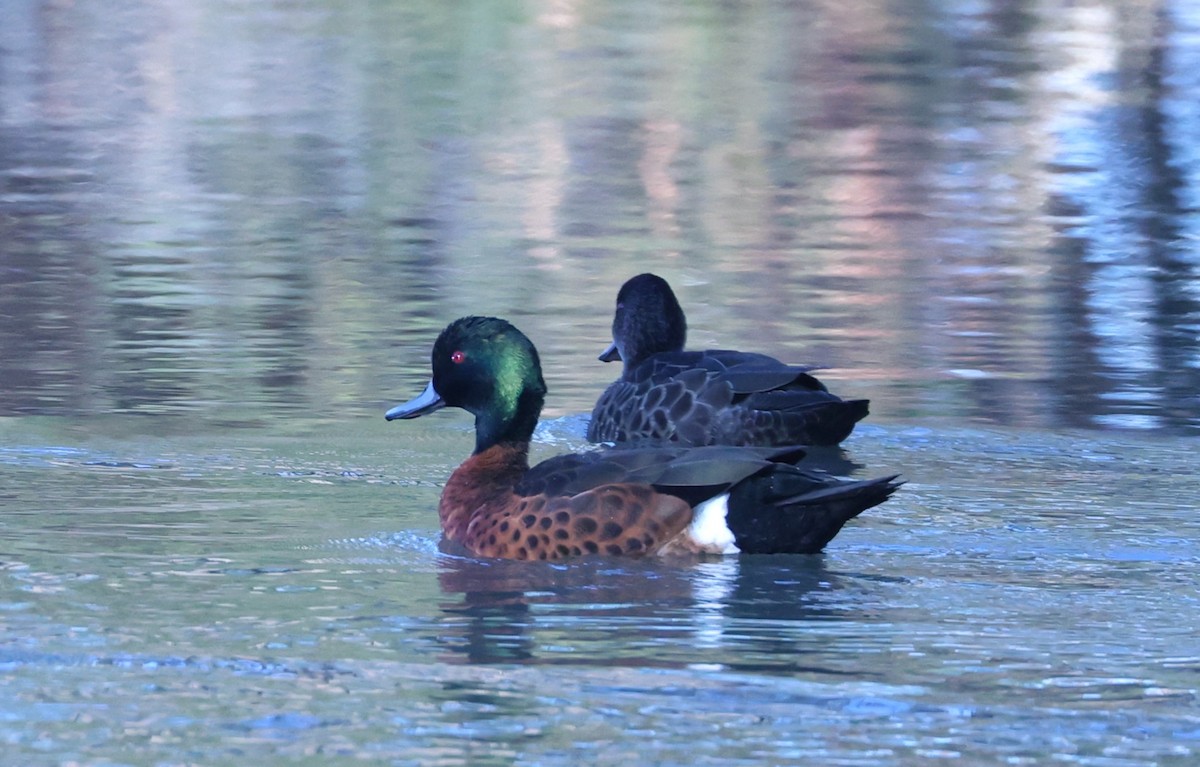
column 708, row 528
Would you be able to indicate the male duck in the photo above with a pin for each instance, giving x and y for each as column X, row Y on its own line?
column 633, row 501
column 712, row 397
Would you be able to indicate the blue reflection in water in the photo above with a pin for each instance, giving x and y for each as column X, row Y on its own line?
column 1125, row 179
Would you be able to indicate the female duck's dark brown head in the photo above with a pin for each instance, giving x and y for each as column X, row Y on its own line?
column 487, row 367
column 648, row 320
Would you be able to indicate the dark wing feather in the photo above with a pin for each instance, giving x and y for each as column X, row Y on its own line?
column 576, row 472
column 730, row 358
column 690, row 473
column 818, row 423
column 746, row 380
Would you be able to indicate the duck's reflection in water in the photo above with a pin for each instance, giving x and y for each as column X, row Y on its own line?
column 745, row 612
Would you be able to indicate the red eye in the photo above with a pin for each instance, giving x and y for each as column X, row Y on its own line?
column 457, row 357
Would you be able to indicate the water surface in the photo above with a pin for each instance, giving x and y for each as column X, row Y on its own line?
column 210, row 596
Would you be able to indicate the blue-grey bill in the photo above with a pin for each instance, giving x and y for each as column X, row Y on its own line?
column 425, row 402
column 611, row 354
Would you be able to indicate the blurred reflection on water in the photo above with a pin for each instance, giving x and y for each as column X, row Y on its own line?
column 232, row 210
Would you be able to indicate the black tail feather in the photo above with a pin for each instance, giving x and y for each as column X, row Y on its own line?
column 798, row 512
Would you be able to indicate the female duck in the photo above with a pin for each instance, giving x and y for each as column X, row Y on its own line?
column 712, row 397
column 630, row 502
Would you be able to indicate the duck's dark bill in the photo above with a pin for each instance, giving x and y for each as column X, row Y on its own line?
column 611, row 354
column 425, row 402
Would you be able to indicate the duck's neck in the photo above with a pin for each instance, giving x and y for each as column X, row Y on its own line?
column 496, row 425
column 650, row 341
column 485, row 479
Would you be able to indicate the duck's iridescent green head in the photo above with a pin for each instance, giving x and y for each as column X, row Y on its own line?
column 487, row 367
column 648, row 320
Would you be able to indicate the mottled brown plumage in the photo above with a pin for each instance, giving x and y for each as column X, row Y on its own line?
column 481, row 511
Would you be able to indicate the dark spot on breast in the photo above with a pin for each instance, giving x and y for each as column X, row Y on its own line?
column 633, row 512
column 561, row 534
column 633, row 544
column 585, row 526
column 576, row 551
column 528, row 520
column 613, row 549
column 516, row 536
column 533, row 542
column 492, row 539
column 610, row 530
column 542, row 555
column 504, row 526
column 522, row 553
column 562, row 517
column 562, row 549
column 545, row 523
column 591, row 547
